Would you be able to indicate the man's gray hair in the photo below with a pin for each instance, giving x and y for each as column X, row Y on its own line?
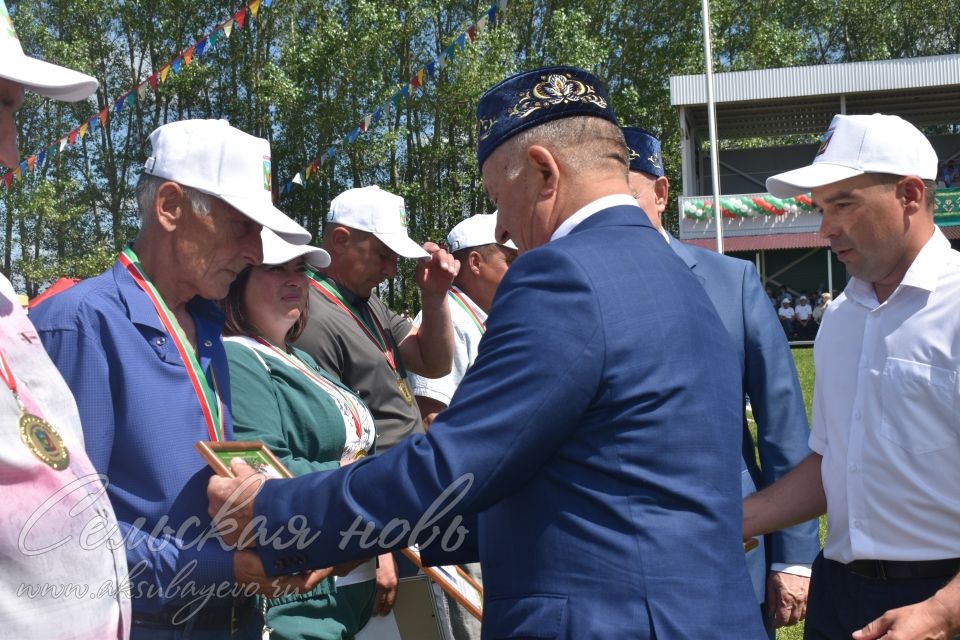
column 584, row 143
column 146, row 193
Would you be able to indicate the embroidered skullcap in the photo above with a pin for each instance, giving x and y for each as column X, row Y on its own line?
column 532, row 98
column 643, row 151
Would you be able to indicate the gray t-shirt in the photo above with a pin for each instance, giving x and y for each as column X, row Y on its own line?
column 343, row 349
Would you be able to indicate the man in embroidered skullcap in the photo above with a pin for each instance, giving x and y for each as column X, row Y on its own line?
column 592, row 447
column 780, row 565
column 140, row 348
column 52, row 494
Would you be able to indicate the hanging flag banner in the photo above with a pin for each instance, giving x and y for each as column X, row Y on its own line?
column 417, row 81
column 128, row 99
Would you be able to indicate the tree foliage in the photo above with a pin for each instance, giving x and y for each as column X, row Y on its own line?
column 304, row 72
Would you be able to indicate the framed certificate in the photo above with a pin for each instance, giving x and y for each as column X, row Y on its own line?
column 455, row 581
column 256, row 454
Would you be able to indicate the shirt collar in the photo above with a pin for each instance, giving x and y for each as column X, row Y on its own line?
column 923, row 273
column 141, row 311
column 616, row 200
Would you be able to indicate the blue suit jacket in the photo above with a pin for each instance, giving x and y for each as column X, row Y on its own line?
column 770, row 379
column 599, row 434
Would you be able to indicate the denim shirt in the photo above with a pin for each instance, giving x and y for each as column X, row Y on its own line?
column 140, row 419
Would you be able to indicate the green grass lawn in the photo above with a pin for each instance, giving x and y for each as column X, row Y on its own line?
column 804, row 361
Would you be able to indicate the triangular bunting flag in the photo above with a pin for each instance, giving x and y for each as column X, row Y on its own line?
column 22, row 169
column 331, row 151
column 462, row 41
column 188, row 55
column 143, row 89
column 63, row 143
column 176, row 65
column 377, row 115
column 502, row 5
column 131, row 99
column 308, row 171
column 431, row 68
column 164, row 72
column 363, row 125
column 8, row 179
column 352, row 136
column 152, row 81
column 118, row 107
column 420, row 75
column 73, row 136
column 267, row 3
column 451, row 53
column 214, row 37
column 83, row 130
column 367, row 121
column 482, row 23
column 316, row 166
column 228, row 27
column 32, row 160
column 472, row 33
column 492, row 15
column 405, row 90
column 239, row 16
column 93, row 123
column 297, row 180
column 104, row 113
column 395, row 99
column 201, row 47
column 41, row 158
column 254, row 8
column 415, row 80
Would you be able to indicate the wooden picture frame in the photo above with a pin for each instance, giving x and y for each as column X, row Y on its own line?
column 219, row 454
column 454, row 581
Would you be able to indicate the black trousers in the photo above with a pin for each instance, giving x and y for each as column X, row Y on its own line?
column 842, row 602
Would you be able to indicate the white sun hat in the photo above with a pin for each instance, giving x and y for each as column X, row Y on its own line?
column 476, row 231
column 854, row 145
column 37, row 76
column 379, row 212
column 215, row 158
column 276, row 250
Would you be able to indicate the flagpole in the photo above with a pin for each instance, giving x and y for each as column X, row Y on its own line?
column 712, row 123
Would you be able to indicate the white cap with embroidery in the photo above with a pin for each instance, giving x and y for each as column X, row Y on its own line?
column 378, row 212
column 475, row 231
column 276, row 250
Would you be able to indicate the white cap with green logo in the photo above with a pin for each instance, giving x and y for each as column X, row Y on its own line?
column 43, row 78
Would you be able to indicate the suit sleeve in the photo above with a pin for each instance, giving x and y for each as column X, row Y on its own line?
column 537, row 372
column 777, row 401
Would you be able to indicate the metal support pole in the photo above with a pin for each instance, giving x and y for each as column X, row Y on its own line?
column 712, row 121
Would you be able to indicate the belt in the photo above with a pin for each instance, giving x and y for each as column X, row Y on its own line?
column 904, row 570
column 207, row 618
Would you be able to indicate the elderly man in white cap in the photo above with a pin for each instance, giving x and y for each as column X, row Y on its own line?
column 140, row 347
column 483, row 263
column 354, row 335
column 885, row 432
column 52, row 494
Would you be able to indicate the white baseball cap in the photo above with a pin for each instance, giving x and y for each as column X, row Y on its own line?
column 381, row 213
column 215, row 158
column 43, row 78
column 854, row 145
column 475, row 231
column 276, row 250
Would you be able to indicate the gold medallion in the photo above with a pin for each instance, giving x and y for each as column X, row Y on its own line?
column 405, row 390
column 44, row 441
column 360, row 454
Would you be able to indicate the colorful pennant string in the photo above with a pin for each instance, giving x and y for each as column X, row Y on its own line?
column 128, row 99
column 417, row 80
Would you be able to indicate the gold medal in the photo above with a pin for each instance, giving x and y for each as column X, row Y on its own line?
column 44, row 441
column 405, row 390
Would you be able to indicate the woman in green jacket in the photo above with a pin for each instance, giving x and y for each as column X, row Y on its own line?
column 308, row 419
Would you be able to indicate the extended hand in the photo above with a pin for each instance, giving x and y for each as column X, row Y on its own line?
column 787, row 598
column 927, row 620
column 231, row 503
column 434, row 276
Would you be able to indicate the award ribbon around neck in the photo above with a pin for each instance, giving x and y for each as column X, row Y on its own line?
column 467, row 305
column 36, row 433
column 210, row 404
column 349, row 399
column 334, row 296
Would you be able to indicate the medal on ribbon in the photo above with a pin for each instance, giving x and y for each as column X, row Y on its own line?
column 36, row 433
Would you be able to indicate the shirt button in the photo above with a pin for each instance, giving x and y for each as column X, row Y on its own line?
column 856, row 416
column 207, row 343
column 161, row 341
column 856, row 524
column 854, row 468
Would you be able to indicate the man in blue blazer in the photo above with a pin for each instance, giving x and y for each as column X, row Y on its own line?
column 592, row 438
column 780, row 566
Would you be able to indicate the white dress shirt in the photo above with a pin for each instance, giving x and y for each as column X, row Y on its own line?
column 616, row 200
column 886, row 414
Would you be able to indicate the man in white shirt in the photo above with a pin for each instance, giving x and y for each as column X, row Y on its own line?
column 787, row 315
column 886, row 432
column 804, row 318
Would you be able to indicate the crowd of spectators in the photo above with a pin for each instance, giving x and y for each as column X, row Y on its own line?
column 799, row 315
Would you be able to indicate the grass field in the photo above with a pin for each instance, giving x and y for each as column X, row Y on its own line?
column 804, row 361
